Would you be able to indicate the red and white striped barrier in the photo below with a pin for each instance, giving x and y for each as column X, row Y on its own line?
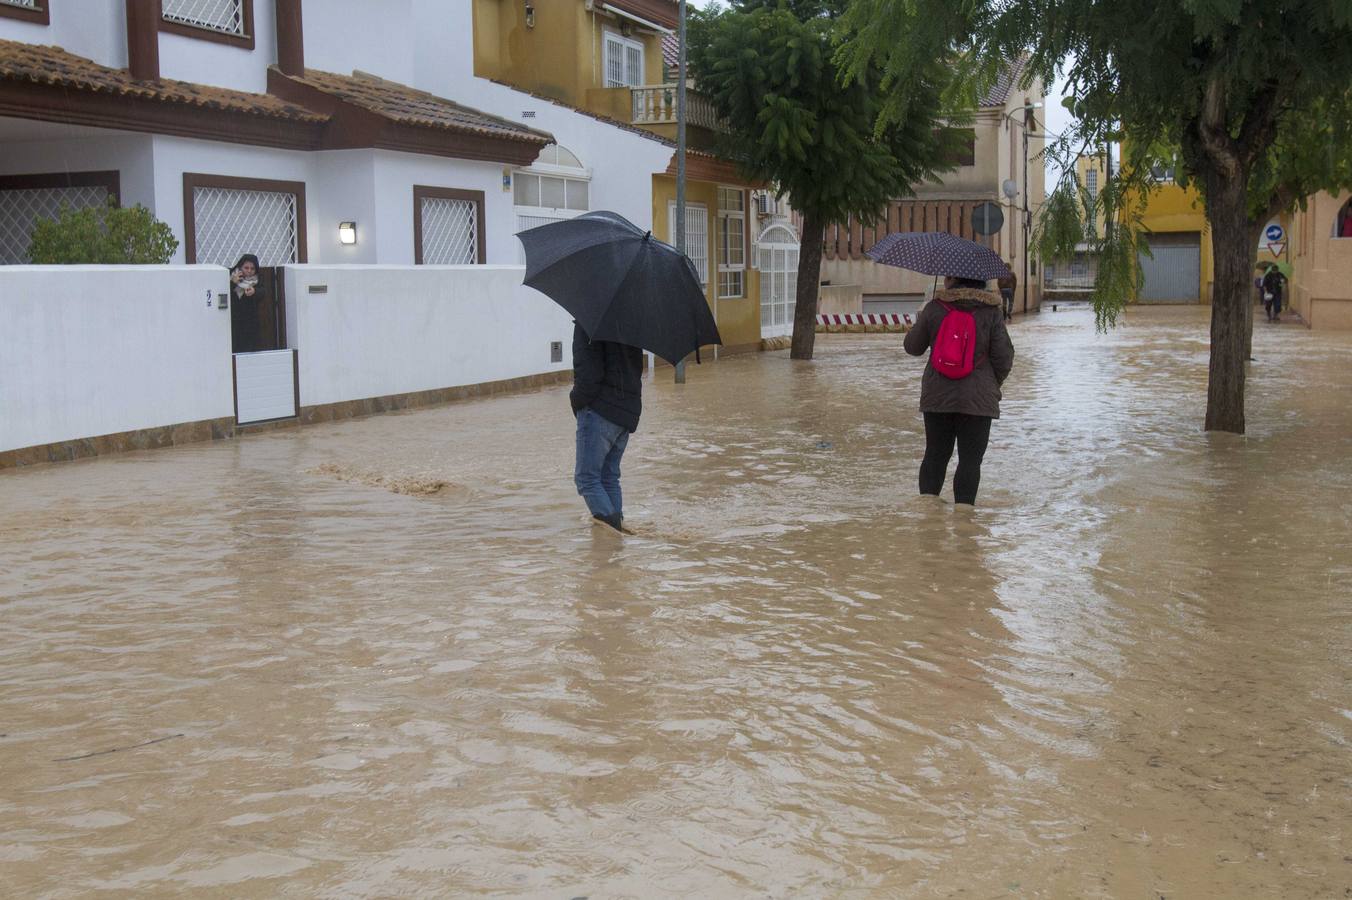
column 864, row 319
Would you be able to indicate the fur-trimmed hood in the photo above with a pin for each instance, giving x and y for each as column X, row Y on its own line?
column 970, row 295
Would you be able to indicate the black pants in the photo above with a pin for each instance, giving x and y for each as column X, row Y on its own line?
column 942, row 431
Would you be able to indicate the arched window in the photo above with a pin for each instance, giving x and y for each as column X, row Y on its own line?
column 556, row 186
column 1342, row 222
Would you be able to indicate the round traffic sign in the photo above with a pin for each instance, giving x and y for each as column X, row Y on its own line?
column 987, row 218
column 1274, row 232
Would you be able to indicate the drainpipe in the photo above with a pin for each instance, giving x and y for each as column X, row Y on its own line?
column 143, row 39
column 290, row 38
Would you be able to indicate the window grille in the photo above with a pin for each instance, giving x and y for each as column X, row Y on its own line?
column 20, row 210
column 225, row 16
column 450, row 232
column 696, row 236
column 229, row 223
column 22, row 4
column 1092, row 183
column 624, row 62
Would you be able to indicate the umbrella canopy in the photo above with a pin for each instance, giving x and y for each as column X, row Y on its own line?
column 621, row 284
column 1281, row 266
column 938, row 253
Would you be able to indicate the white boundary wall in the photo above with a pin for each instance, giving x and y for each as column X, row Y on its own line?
column 376, row 331
column 92, row 350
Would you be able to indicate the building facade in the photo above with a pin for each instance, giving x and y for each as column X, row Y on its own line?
column 1321, row 261
column 1003, row 165
column 614, row 61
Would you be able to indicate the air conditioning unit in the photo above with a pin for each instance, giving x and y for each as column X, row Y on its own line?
column 765, row 204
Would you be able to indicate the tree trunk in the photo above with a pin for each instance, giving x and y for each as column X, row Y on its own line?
column 1234, row 247
column 808, row 287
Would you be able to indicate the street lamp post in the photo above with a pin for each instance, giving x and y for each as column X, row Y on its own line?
column 679, row 241
column 1028, row 123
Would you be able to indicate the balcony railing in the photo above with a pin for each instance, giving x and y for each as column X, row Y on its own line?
column 655, row 104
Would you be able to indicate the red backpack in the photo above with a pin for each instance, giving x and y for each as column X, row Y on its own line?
column 954, row 352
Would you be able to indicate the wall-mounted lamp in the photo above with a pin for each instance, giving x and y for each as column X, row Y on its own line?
column 530, row 14
column 347, row 232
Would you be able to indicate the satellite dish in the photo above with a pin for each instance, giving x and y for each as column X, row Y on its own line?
column 1010, row 188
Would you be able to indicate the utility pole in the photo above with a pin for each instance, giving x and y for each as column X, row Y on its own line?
column 1027, row 213
column 679, row 242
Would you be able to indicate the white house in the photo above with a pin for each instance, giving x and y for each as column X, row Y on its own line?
column 325, row 133
column 260, row 126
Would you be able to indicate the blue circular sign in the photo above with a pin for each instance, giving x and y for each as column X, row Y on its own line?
column 1274, row 232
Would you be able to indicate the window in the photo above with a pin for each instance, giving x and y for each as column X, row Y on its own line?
column 556, row 186
column 624, row 61
column 25, row 199
column 1091, row 184
column 223, row 21
column 448, row 227
column 225, row 218
column 551, row 191
column 959, row 146
column 731, row 243
column 1342, row 222
column 696, row 236
column 26, row 11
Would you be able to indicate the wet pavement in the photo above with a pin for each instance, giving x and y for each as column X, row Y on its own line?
column 391, row 657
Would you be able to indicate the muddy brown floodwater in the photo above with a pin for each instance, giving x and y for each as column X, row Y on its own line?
column 391, row 657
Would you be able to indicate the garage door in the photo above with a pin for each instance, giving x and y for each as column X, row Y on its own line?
column 1173, row 271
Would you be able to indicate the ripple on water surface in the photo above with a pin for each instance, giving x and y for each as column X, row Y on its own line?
column 391, row 657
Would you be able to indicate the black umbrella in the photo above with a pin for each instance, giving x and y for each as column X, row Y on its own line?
column 621, row 284
column 938, row 253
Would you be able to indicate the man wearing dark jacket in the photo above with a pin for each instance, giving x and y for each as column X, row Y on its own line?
column 607, row 401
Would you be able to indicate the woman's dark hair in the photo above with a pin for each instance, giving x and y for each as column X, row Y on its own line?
column 968, row 283
column 248, row 257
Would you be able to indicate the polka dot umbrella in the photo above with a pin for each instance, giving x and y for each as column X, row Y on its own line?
column 938, row 253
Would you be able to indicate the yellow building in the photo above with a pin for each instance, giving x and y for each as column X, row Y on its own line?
column 1176, row 231
column 610, row 60
column 1321, row 260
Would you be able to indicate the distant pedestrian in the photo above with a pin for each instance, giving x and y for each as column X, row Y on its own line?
column 959, row 410
column 1273, row 284
column 607, row 401
column 1008, row 285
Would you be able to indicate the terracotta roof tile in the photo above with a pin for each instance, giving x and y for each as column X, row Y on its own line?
column 671, row 50
column 54, row 66
column 409, row 106
column 1008, row 80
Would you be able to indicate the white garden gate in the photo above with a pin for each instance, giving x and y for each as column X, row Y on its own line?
column 231, row 217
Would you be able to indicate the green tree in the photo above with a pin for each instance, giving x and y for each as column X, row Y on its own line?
column 1255, row 95
column 102, row 235
column 768, row 66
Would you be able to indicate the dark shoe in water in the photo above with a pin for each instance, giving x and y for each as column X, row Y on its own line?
column 613, row 521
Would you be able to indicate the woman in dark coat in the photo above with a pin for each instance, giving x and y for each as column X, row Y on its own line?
column 245, row 315
column 960, row 411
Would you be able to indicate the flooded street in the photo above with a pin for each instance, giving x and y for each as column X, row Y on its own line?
column 391, row 657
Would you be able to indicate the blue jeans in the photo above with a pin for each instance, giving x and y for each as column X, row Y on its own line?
column 600, row 444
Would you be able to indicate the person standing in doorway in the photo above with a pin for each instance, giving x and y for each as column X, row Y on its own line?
column 959, row 410
column 1008, row 284
column 607, row 401
column 245, row 313
column 1273, row 284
